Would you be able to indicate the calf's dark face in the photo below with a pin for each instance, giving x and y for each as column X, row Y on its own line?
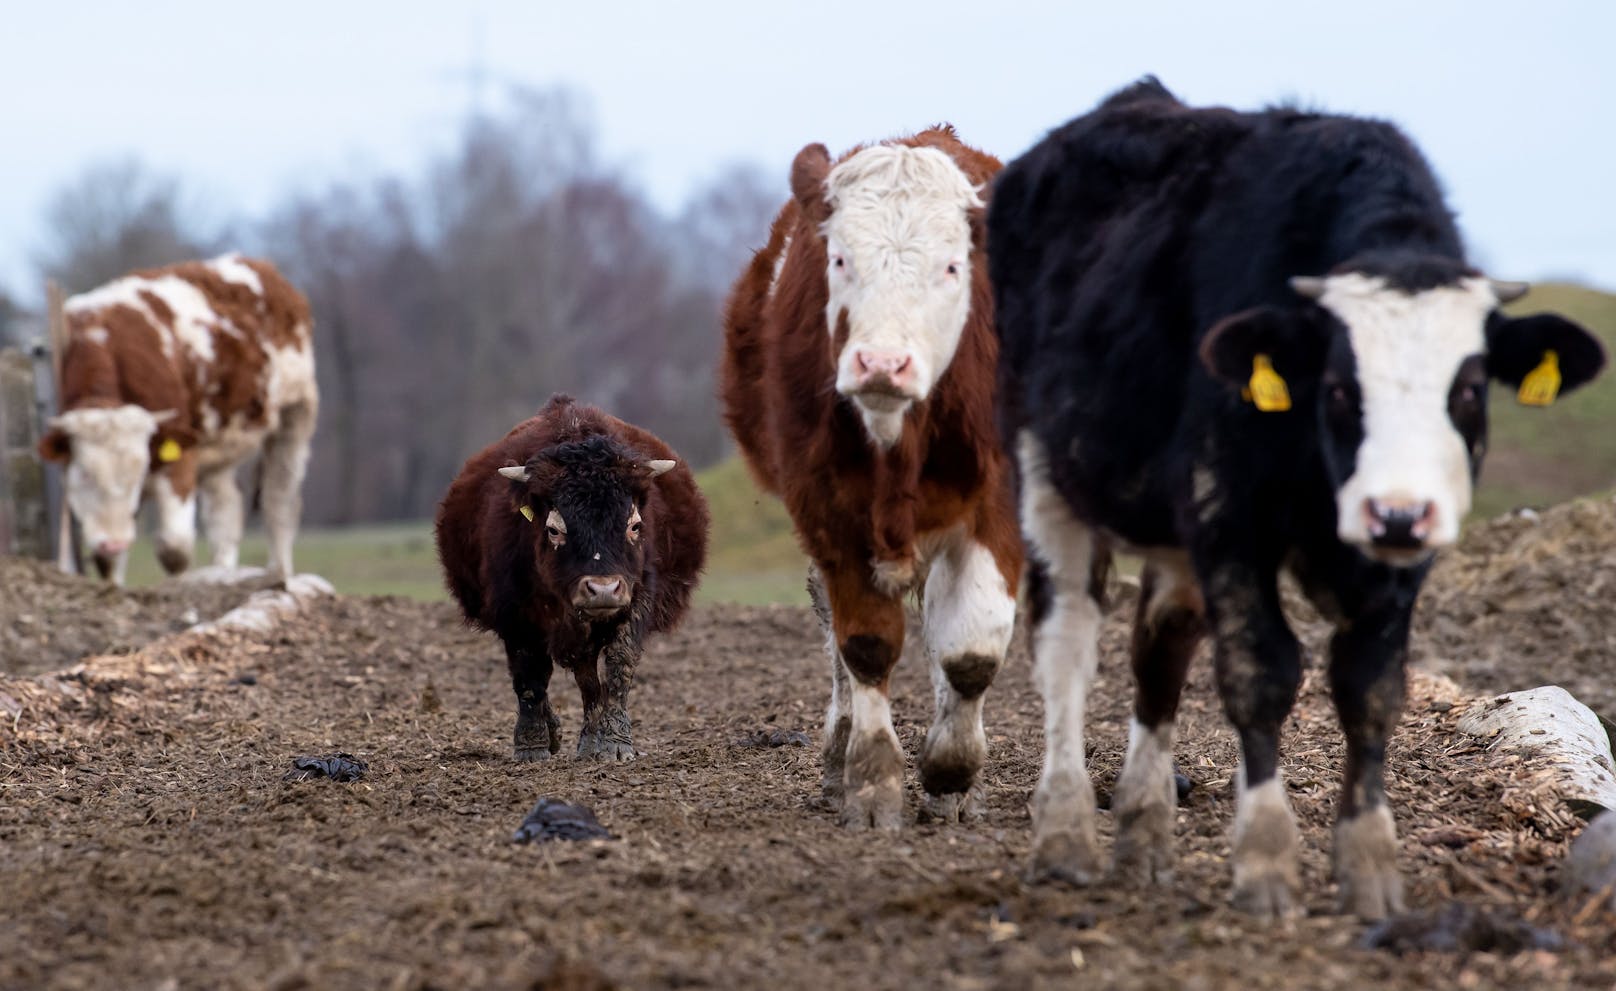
column 582, row 507
column 1398, row 383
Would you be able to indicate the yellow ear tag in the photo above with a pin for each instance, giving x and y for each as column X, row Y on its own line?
column 527, row 513
column 1542, row 383
column 169, row 450
column 1266, row 388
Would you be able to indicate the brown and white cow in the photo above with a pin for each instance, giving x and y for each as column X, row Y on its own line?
column 858, row 381
column 172, row 377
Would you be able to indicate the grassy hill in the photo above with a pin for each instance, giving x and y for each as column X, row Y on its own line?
column 1541, row 457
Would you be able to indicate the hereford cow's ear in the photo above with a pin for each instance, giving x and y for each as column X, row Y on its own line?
column 56, row 445
column 1544, row 355
column 1254, row 342
column 808, row 172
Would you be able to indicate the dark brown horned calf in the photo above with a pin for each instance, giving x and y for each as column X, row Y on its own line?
column 572, row 538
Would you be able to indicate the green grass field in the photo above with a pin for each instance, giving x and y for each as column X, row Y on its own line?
column 1539, row 457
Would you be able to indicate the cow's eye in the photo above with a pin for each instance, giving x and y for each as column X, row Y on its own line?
column 953, row 268
column 634, row 529
column 555, row 533
column 837, row 261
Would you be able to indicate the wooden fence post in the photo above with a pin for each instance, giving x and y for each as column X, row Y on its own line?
column 24, row 505
column 69, row 556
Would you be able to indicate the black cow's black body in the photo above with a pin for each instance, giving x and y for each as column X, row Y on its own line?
column 1142, row 257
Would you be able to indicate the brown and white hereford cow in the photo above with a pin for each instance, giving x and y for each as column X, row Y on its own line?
column 172, row 377
column 858, row 380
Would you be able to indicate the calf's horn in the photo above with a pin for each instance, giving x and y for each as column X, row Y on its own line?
column 1308, row 286
column 515, row 473
column 1509, row 291
column 659, row 466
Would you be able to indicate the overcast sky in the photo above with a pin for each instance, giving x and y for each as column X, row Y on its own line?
column 1515, row 104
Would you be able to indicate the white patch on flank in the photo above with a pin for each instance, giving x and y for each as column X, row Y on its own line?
column 898, row 223
column 111, row 451
column 1065, row 647
column 232, row 269
column 1408, row 349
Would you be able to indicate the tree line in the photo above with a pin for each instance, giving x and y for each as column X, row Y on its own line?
column 451, row 303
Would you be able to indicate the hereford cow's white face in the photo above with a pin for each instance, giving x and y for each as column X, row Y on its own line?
column 898, row 239
column 109, row 454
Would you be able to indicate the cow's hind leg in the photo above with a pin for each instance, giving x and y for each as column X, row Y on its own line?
column 1367, row 681
column 1167, row 628
column 538, row 731
column 222, row 513
column 1259, row 670
column 285, row 461
column 868, row 626
column 1063, row 587
column 839, row 713
column 968, row 616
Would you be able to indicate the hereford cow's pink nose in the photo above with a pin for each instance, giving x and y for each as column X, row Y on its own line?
column 110, row 548
column 883, row 371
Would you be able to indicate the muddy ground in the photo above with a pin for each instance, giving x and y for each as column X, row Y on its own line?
column 148, row 840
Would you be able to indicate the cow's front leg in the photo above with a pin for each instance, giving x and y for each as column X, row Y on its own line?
column 1064, row 592
column 614, row 734
column 969, row 611
column 222, row 515
column 538, row 731
column 175, row 497
column 839, row 713
column 586, row 672
column 1259, row 670
column 868, row 628
column 1367, row 680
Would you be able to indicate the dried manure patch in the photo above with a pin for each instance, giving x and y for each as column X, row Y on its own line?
column 147, row 835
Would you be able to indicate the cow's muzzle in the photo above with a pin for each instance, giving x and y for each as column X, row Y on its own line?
column 600, row 596
column 1400, row 530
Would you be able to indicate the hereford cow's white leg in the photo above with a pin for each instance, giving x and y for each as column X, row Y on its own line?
column 222, row 516
column 1065, row 644
column 1168, row 626
column 839, row 713
column 968, row 616
column 176, row 524
column 869, row 629
column 286, row 459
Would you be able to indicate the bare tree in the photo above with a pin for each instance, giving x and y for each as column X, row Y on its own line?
column 116, row 217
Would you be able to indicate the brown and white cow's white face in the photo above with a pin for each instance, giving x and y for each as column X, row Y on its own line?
column 898, row 229
column 108, row 453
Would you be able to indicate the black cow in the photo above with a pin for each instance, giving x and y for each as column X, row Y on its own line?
column 1240, row 342
column 572, row 538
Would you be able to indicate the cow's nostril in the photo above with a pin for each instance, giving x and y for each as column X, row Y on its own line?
column 1399, row 523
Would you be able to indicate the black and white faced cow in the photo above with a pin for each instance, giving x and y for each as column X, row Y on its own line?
column 1241, row 342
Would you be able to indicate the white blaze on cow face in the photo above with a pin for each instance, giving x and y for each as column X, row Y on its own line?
column 106, row 471
column 1412, row 460
column 899, row 242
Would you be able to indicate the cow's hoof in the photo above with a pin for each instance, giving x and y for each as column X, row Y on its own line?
column 1064, row 857
column 950, row 807
column 527, row 755
column 878, row 805
column 600, row 746
column 1144, row 846
column 1267, row 894
column 1366, row 865
column 173, row 560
